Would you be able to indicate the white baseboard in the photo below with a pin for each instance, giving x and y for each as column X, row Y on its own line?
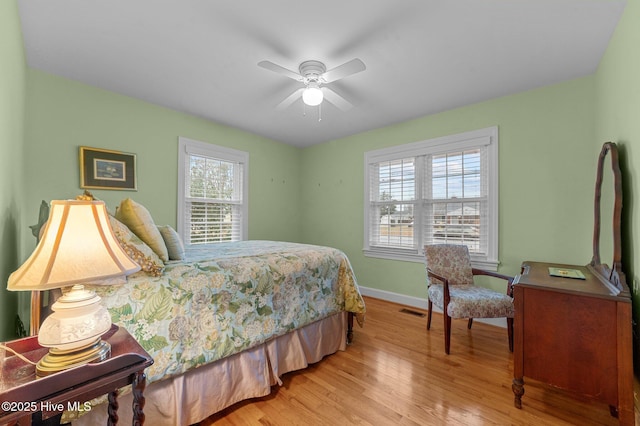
column 401, row 299
column 417, row 302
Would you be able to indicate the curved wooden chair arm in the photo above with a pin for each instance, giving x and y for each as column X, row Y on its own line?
column 509, row 279
column 444, row 281
column 432, row 274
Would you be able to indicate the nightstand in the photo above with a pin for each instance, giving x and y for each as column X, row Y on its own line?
column 25, row 395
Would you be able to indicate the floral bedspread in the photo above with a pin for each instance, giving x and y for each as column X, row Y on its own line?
column 229, row 297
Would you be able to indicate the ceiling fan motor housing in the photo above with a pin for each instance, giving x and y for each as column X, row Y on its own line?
column 311, row 71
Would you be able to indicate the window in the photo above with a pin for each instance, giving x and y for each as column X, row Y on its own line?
column 442, row 190
column 212, row 193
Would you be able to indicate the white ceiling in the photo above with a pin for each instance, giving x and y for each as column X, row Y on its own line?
column 422, row 56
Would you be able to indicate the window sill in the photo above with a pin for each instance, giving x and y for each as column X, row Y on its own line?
column 412, row 256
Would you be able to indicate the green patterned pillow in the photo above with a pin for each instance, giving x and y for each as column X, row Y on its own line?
column 139, row 220
column 172, row 240
column 137, row 250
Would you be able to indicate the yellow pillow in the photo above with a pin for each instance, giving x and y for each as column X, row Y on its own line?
column 172, row 241
column 139, row 220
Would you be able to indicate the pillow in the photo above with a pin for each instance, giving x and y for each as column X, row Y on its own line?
column 139, row 220
column 172, row 240
column 137, row 250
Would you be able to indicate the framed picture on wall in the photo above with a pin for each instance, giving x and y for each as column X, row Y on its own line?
column 106, row 169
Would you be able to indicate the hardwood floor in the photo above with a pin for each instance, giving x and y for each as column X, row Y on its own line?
column 396, row 373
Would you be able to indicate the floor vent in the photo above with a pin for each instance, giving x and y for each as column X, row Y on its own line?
column 410, row 312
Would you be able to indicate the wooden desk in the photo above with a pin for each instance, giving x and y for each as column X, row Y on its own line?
column 71, row 388
column 575, row 335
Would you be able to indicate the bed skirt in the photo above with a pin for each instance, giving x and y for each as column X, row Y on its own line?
column 199, row 393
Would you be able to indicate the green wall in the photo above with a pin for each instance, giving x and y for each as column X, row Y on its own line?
column 12, row 100
column 618, row 120
column 63, row 115
column 546, row 182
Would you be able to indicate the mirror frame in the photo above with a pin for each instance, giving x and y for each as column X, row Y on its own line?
column 612, row 276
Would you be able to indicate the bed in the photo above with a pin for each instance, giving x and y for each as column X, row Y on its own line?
column 227, row 320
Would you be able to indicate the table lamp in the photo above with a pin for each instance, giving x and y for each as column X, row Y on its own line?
column 78, row 247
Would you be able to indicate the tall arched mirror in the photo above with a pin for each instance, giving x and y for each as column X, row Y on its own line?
column 607, row 239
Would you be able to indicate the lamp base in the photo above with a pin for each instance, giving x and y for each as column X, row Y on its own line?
column 58, row 360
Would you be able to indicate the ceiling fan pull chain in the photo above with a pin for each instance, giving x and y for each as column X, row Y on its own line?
column 319, row 113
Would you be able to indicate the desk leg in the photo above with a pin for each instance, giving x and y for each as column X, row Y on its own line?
column 112, row 409
column 138, row 385
column 518, row 346
column 518, row 391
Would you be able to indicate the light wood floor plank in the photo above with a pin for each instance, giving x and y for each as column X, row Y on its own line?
column 396, row 373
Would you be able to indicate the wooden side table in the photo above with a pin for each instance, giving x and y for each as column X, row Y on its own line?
column 23, row 395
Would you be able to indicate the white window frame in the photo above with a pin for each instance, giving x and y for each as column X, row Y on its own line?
column 488, row 138
column 187, row 147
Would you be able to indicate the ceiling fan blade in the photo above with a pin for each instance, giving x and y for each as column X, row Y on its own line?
column 344, row 70
column 280, row 70
column 290, row 99
column 337, row 100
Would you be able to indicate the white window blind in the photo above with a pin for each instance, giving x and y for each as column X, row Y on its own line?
column 442, row 190
column 456, row 200
column 393, row 201
column 212, row 193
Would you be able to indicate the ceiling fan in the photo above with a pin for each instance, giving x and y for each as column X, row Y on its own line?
column 314, row 74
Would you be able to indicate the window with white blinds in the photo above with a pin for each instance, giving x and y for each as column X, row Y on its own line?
column 212, row 188
column 441, row 190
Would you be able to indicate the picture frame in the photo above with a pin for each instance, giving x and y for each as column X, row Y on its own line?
column 107, row 169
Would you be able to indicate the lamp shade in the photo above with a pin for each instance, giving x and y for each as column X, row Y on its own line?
column 77, row 246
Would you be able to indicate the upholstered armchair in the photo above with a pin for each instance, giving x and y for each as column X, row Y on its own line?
column 451, row 288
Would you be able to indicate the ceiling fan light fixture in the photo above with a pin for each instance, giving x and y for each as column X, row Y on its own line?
column 313, row 74
column 312, row 95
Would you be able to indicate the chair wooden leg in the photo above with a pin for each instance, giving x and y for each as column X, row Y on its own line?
column 510, row 331
column 430, row 306
column 470, row 323
column 447, row 332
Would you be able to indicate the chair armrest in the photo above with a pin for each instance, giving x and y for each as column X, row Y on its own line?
column 445, row 285
column 509, row 279
column 477, row 271
column 432, row 274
